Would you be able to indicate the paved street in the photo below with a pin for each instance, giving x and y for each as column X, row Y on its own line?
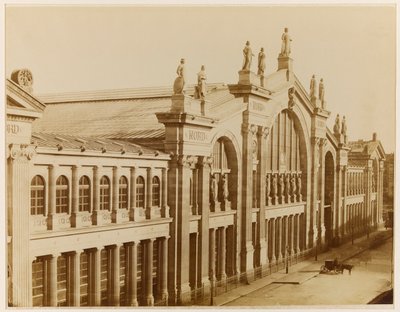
column 370, row 277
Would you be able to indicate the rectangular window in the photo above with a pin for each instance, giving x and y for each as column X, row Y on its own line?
column 62, row 281
column 84, row 198
column 84, row 279
column 62, row 199
column 38, row 283
column 140, row 196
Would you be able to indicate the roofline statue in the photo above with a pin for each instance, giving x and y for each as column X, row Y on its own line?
column 179, row 83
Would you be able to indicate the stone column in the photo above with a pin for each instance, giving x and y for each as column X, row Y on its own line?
column 322, row 186
column 75, row 196
column 115, row 196
column 313, row 230
column 298, row 249
column 212, row 255
column 52, row 276
column 195, row 210
column 381, row 169
column 164, row 196
column 273, row 240
column 132, row 286
column 18, row 215
column 339, row 200
column 266, row 242
column 149, row 273
column 368, row 191
column 52, row 197
column 204, row 206
column 248, row 132
column 115, row 264
column 164, row 270
column 262, row 151
column 343, row 214
column 280, row 240
column 76, row 279
column 135, row 213
column 96, row 296
column 149, row 193
column 96, row 215
column 291, row 235
column 223, row 254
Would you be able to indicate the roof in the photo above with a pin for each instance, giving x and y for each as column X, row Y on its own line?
column 70, row 142
column 366, row 147
column 121, row 114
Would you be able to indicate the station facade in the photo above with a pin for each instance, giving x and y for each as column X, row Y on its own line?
column 145, row 197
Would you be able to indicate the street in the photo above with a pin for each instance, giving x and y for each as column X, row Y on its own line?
column 371, row 276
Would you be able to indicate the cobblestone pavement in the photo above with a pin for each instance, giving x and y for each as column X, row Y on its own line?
column 370, row 277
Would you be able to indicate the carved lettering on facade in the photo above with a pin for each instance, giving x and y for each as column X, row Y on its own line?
column 258, row 106
column 196, row 136
column 13, row 129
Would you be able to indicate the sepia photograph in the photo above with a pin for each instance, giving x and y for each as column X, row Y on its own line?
column 201, row 155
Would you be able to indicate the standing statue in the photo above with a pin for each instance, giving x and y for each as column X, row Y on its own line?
column 214, row 189
column 285, row 50
column 225, row 192
column 312, row 87
column 299, row 186
column 336, row 127
column 274, row 186
column 201, row 83
column 344, row 126
column 293, row 186
column 248, row 55
column 321, row 95
column 288, row 186
column 282, row 186
column 267, row 186
column 261, row 62
column 180, row 80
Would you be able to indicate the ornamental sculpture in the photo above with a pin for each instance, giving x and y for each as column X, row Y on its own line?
column 299, row 186
column 344, row 126
column 274, row 189
column 282, row 187
column 285, row 49
column 312, row 87
column 261, row 62
column 287, row 181
column 267, row 187
column 180, row 80
column 214, row 190
column 225, row 192
column 24, row 78
column 321, row 94
column 293, row 186
column 336, row 127
column 201, row 83
column 291, row 101
column 247, row 56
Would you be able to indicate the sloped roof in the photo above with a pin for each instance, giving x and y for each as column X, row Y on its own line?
column 366, row 147
column 121, row 114
column 70, row 142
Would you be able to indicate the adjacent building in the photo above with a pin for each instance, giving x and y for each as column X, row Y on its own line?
column 158, row 197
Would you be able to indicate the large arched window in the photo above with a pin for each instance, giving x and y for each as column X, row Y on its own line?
column 140, row 192
column 84, row 194
column 37, row 196
column 104, row 193
column 62, row 195
column 123, row 193
column 156, row 191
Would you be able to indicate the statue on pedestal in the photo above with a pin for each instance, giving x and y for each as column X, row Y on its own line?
column 261, row 62
column 293, row 186
column 285, row 50
column 214, row 190
column 321, row 95
column 267, row 187
column 201, row 89
column 312, row 87
column 344, row 129
column 299, row 186
column 225, row 192
column 247, row 56
column 336, row 127
column 180, row 80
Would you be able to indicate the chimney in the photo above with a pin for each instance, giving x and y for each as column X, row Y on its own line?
column 374, row 137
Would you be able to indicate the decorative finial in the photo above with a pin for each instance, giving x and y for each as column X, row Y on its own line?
column 180, row 80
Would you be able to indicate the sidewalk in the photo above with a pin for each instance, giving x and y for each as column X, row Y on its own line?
column 342, row 252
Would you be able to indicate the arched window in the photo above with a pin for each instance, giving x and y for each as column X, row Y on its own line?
column 123, row 193
column 84, row 194
column 62, row 195
column 37, row 196
column 156, row 191
column 104, row 193
column 140, row 192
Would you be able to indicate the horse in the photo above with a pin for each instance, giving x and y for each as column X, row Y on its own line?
column 343, row 266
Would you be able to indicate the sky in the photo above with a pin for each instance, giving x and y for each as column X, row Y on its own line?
column 112, row 47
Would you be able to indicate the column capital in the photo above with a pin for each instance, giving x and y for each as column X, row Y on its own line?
column 188, row 161
column 205, row 161
column 21, row 151
column 263, row 132
column 315, row 141
column 249, row 129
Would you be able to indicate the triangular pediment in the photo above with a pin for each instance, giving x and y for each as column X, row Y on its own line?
column 22, row 103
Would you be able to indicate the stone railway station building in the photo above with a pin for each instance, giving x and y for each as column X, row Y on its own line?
column 142, row 197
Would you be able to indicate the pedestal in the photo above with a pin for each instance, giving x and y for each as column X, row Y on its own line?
column 101, row 217
column 80, row 219
column 137, row 214
column 120, row 216
column 285, row 62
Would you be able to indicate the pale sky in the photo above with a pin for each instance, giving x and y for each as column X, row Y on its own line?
column 92, row 48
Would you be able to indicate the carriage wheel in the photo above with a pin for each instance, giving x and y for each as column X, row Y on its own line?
column 323, row 268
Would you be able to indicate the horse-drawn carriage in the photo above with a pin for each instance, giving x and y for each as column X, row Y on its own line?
column 335, row 267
